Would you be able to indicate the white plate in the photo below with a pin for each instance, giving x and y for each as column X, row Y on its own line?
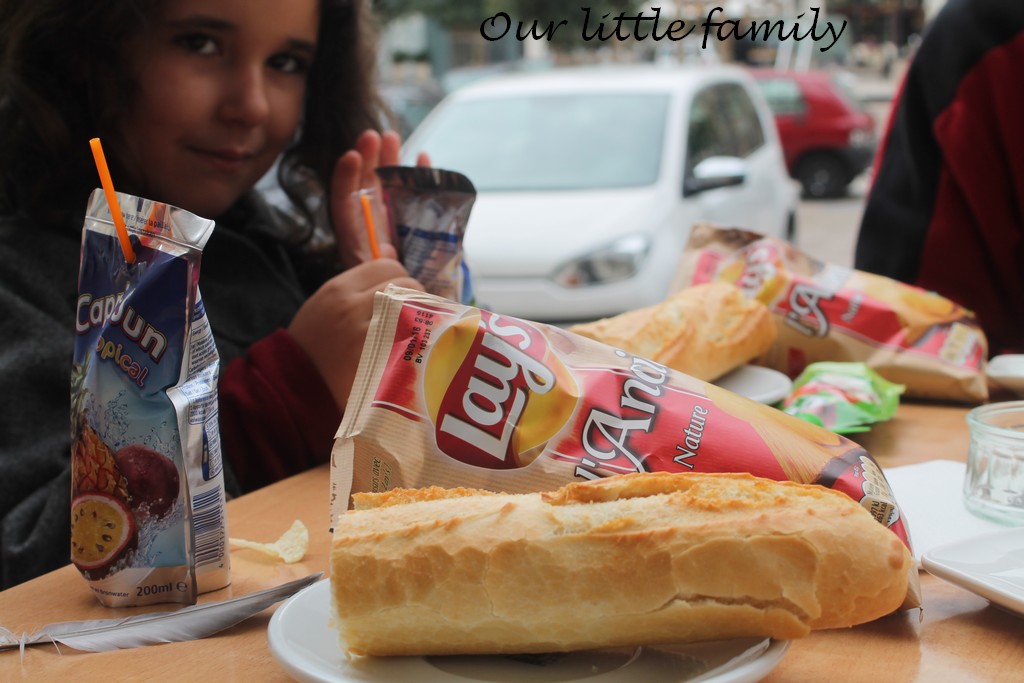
column 991, row 566
column 755, row 382
column 1008, row 371
column 307, row 648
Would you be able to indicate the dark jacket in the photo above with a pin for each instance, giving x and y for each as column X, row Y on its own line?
column 946, row 207
column 277, row 417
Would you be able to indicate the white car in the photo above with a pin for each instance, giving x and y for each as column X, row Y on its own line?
column 589, row 179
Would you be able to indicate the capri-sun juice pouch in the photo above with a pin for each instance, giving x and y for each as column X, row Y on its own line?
column 147, row 494
column 428, row 210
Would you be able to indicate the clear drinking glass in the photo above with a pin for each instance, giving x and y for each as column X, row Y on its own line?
column 994, row 485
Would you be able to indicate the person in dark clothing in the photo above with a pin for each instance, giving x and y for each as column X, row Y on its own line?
column 946, row 207
column 194, row 101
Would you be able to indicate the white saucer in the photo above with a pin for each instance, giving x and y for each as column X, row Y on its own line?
column 991, row 566
column 308, row 649
column 1008, row 371
column 757, row 383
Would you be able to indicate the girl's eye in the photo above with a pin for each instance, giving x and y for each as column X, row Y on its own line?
column 198, row 43
column 288, row 63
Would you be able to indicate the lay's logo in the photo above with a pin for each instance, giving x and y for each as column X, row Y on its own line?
column 495, row 391
column 757, row 270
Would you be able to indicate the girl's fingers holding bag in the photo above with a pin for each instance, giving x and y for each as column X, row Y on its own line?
column 331, row 326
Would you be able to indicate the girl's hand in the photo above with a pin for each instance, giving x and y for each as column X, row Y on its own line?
column 331, row 326
column 357, row 170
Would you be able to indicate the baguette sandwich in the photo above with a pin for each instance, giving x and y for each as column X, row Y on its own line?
column 704, row 331
column 636, row 559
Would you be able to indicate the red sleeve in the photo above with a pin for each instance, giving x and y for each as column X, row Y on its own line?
column 975, row 246
column 946, row 206
column 277, row 417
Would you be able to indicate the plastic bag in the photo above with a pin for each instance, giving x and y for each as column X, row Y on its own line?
column 843, row 397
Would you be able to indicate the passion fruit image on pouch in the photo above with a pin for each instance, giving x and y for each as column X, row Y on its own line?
column 103, row 530
column 152, row 479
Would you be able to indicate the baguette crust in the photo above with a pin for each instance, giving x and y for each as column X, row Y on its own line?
column 634, row 559
column 704, row 331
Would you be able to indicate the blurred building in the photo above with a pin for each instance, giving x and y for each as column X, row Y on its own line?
column 885, row 21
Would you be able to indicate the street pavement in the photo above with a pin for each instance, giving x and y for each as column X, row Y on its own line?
column 827, row 229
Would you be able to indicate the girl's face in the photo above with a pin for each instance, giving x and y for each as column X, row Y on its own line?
column 222, row 84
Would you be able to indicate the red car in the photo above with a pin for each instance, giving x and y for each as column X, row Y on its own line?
column 827, row 138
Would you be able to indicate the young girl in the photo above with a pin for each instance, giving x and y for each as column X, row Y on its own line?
column 194, row 100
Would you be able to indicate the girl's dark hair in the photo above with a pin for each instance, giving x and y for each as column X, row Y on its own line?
column 63, row 81
column 342, row 100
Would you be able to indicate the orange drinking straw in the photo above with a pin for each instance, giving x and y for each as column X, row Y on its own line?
column 115, row 208
column 371, row 229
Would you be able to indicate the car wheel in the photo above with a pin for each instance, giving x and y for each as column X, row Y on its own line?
column 822, row 176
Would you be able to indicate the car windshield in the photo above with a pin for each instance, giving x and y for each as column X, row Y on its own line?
column 551, row 142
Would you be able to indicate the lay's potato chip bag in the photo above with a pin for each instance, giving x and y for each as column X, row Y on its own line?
column 823, row 312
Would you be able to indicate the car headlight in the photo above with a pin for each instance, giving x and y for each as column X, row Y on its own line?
column 619, row 260
column 861, row 137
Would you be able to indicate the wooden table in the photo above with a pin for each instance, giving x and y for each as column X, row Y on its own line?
column 958, row 636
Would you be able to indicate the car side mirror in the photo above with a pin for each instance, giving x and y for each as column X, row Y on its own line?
column 713, row 173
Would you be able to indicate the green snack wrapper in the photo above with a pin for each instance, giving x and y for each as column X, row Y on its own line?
column 843, row 397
